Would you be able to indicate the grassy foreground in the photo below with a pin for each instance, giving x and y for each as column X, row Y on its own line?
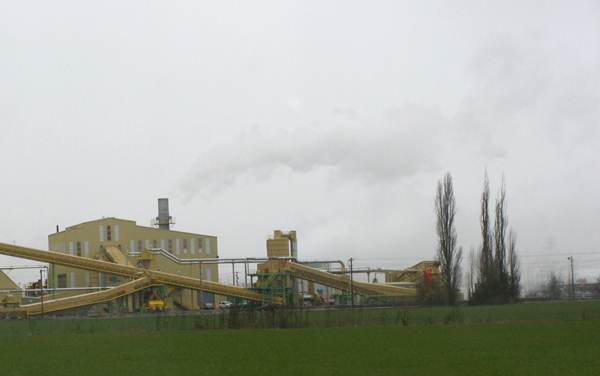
column 538, row 348
column 525, row 339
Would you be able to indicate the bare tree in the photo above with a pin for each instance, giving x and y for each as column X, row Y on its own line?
column 486, row 271
column 553, row 286
column 500, row 224
column 448, row 255
column 471, row 273
column 499, row 270
column 514, row 267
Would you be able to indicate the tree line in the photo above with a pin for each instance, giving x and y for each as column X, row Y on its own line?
column 494, row 273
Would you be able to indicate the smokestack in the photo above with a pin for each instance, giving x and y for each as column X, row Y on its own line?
column 163, row 220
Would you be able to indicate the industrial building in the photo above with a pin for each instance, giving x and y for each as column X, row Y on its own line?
column 112, row 265
column 120, row 241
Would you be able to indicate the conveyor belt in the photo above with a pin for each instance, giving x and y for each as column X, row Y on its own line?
column 89, row 299
column 343, row 282
column 130, row 271
column 50, row 306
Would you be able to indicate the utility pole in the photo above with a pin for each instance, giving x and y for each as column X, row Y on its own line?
column 42, row 291
column 351, row 285
column 572, row 278
column 201, row 290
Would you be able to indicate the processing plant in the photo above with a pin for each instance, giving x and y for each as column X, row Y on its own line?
column 113, row 265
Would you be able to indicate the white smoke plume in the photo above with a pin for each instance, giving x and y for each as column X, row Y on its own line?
column 401, row 143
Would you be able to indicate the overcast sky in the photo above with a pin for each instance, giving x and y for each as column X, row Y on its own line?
column 334, row 119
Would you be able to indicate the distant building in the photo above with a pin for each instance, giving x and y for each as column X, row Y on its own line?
column 8, row 286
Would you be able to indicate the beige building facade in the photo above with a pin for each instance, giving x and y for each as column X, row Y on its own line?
column 119, row 240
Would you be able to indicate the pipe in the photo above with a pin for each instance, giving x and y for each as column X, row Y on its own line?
column 372, row 270
column 177, row 260
column 60, row 289
column 23, row 267
column 325, row 262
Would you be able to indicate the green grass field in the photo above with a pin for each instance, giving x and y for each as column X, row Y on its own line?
column 525, row 339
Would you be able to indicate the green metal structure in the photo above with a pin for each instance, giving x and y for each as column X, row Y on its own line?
column 281, row 283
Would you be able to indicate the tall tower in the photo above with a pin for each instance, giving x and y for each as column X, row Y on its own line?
column 164, row 221
column 283, row 244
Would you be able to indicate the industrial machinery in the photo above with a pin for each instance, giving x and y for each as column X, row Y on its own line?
column 155, row 299
column 139, row 277
column 113, row 265
column 275, row 281
column 8, row 301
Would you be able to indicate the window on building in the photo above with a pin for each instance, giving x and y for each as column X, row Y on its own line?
column 199, row 245
column 79, row 249
column 154, row 243
column 207, row 246
column 139, row 245
column 192, row 246
column 62, row 281
column 87, row 249
column 71, row 248
column 162, row 244
column 101, row 233
column 171, row 246
column 185, row 246
column 108, row 233
column 177, row 246
column 117, row 232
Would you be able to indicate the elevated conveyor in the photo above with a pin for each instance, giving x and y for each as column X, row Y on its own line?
column 130, row 272
column 115, row 255
column 343, row 282
column 50, row 306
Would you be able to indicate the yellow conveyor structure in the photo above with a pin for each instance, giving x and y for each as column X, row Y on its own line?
column 343, row 282
column 115, row 255
column 50, row 306
column 156, row 278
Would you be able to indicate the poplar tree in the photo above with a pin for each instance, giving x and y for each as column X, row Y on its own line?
column 448, row 256
column 499, row 269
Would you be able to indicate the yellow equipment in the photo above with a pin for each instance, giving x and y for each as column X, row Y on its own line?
column 282, row 244
column 156, row 305
column 8, row 301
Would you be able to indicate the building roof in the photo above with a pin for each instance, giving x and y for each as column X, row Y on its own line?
column 114, row 219
column 6, row 283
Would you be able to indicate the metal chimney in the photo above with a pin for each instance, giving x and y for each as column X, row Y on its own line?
column 164, row 220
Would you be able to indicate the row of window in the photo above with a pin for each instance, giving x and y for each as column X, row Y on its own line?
column 109, row 233
column 75, row 248
column 181, row 245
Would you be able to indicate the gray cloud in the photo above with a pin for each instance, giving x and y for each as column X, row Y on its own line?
column 524, row 95
column 105, row 108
